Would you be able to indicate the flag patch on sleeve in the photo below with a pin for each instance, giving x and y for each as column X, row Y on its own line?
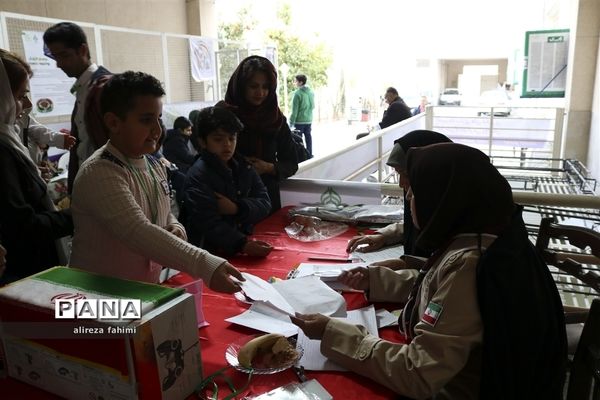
column 432, row 313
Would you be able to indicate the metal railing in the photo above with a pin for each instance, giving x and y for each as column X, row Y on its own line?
column 527, row 134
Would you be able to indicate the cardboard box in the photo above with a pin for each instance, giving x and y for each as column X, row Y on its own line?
column 154, row 357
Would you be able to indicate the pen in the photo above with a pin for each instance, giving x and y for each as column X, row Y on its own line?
column 300, row 373
column 337, row 259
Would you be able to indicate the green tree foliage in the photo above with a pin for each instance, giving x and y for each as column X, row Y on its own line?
column 302, row 57
column 237, row 30
column 231, row 50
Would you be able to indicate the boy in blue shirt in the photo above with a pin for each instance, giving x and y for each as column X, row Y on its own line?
column 223, row 196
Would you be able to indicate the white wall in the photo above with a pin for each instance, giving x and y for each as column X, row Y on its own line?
column 154, row 15
column 593, row 163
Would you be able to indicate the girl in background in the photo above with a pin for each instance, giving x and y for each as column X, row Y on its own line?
column 266, row 141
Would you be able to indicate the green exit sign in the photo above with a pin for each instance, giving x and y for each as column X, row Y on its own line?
column 556, row 39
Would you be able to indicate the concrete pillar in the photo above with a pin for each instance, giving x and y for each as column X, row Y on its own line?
column 201, row 18
column 581, row 73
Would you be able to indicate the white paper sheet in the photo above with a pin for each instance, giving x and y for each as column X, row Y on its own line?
column 328, row 273
column 313, row 360
column 386, row 253
column 309, row 390
column 264, row 318
column 273, row 303
column 309, row 295
column 261, row 290
column 386, row 318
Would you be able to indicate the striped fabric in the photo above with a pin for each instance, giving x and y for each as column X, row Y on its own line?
column 41, row 289
column 121, row 208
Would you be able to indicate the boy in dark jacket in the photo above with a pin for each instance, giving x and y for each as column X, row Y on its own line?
column 176, row 147
column 223, row 196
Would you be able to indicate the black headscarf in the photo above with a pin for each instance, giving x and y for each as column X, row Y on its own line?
column 417, row 138
column 457, row 190
column 266, row 118
column 397, row 159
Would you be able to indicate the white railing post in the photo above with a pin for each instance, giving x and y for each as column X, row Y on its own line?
column 4, row 32
column 429, row 118
column 217, row 93
column 99, row 50
column 379, row 158
column 165, row 60
column 557, row 148
column 491, row 136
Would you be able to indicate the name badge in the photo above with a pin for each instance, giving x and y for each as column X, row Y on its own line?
column 165, row 186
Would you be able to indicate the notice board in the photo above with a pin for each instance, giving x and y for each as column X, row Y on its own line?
column 545, row 67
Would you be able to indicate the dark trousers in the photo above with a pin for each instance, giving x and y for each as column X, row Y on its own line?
column 306, row 129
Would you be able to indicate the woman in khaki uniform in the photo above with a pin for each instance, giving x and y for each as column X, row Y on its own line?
column 403, row 233
column 468, row 306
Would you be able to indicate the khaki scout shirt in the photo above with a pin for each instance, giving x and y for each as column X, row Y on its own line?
column 393, row 233
column 443, row 361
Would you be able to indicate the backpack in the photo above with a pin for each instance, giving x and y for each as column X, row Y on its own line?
column 301, row 153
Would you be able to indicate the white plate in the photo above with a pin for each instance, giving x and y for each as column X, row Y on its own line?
column 231, row 355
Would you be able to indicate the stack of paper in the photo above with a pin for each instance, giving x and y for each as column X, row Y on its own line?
column 274, row 303
column 328, row 273
column 315, row 361
column 386, row 253
column 309, row 390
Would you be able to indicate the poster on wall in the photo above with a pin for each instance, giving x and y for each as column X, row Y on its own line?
column 270, row 54
column 49, row 86
column 202, row 58
column 545, row 69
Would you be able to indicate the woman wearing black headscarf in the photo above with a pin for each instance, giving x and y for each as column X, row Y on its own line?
column 405, row 232
column 266, row 140
column 30, row 226
column 483, row 319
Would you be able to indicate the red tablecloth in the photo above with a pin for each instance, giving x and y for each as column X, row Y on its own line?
column 217, row 307
column 215, row 338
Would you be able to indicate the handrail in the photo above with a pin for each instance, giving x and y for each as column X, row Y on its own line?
column 358, row 165
column 377, row 135
column 519, row 196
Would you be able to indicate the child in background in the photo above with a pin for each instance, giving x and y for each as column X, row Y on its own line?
column 223, row 195
column 121, row 204
column 177, row 148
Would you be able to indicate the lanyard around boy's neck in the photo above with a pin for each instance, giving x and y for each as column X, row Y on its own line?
column 142, row 183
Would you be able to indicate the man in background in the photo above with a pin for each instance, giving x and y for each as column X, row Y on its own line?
column 397, row 110
column 66, row 43
column 303, row 104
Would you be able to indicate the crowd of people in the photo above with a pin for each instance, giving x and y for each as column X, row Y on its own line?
column 469, row 266
column 120, row 216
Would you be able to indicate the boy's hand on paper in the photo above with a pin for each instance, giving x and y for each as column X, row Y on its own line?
column 368, row 243
column 313, row 325
column 225, row 205
column 257, row 248
column 221, row 280
column 176, row 230
column 356, row 278
column 394, row 263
